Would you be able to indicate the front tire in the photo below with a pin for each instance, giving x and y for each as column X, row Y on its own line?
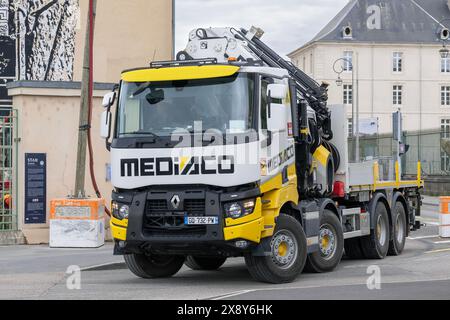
column 288, row 254
column 331, row 245
column 153, row 266
column 204, row 263
column 376, row 245
column 399, row 231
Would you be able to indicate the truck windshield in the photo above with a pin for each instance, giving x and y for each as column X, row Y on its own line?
column 161, row 108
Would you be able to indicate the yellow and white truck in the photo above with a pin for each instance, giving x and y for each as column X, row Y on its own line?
column 232, row 151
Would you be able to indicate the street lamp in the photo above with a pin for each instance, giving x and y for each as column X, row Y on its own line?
column 355, row 108
column 444, row 34
column 444, row 52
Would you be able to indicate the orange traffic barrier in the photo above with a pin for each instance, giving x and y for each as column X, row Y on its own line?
column 444, row 218
column 77, row 223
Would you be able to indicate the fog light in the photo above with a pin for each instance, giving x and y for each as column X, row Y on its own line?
column 234, row 210
column 241, row 244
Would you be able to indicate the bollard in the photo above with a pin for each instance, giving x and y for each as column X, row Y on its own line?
column 444, row 218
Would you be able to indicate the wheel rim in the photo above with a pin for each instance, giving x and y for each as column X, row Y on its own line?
column 399, row 228
column 327, row 241
column 381, row 231
column 284, row 249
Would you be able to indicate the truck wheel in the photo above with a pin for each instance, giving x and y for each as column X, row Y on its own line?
column 331, row 245
column 376, row 245
column 153, row 266
column 397, row 243
column 204, row 263
column 288, row 254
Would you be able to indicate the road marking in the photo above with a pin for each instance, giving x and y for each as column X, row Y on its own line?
column 108, row 264
column 431, row 223
column 237, row 293
column 442, row 242
column 423, row 237
column 438, row 251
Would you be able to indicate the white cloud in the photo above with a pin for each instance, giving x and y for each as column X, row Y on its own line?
column 288, row 23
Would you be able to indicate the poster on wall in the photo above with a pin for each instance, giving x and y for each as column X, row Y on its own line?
column 37, row 40
column 35, row 188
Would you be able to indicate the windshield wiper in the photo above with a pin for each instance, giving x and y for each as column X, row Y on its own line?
column 142, row 133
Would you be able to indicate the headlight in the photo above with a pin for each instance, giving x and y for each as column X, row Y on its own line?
column 239, row 209
column 120, row 211
column 124, row 211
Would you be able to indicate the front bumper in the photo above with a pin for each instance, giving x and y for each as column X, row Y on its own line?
column 154, row 224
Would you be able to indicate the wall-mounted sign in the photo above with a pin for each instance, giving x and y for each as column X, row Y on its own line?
column 35, row 188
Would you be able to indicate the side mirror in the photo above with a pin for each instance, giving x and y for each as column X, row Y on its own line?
column 105, row 124
column 277, row 91
column 277, row 111
column 109, row 99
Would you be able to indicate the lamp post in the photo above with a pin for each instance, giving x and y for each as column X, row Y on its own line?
column 355, row 111
column 444, row 34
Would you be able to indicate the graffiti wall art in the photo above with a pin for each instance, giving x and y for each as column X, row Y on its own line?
column 37, row 40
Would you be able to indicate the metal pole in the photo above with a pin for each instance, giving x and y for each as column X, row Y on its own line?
column 353, row 114
column 357, row 155
column 79, row 190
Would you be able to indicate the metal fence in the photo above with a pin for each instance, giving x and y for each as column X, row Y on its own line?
column 8, row 170
column 426, row 147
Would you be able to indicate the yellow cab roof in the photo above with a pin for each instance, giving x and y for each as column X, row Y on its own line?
column 179, row 73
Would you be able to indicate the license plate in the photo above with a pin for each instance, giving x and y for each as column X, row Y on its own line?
column 200, row 220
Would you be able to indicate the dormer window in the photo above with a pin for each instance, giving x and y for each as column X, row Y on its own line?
column 347, row 32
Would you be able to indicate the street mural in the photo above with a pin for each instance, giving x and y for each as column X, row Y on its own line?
column 37, row 40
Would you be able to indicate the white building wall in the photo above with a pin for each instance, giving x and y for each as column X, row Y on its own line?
column 421, row 79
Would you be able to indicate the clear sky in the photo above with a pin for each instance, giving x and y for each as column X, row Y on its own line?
column 288, row 23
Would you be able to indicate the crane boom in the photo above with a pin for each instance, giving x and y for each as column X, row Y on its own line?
column 247, row 47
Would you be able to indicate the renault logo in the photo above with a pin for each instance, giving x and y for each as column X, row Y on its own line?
column 175, row 201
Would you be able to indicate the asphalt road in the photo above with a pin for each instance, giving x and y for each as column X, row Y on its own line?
column 38, row 272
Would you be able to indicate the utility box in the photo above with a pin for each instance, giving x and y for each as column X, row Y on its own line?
column 77, row 223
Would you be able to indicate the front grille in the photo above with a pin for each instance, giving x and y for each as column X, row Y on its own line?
column 156, row 205
column 196, row 206
column 161, row 221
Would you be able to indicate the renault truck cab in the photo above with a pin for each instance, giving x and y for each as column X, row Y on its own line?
column 198, row 150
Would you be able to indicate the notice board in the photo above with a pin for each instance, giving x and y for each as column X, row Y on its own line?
column 35, row 188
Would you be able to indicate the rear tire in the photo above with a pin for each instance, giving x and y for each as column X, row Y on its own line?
column 204, row 263
column 331, row 245
column 376, row 245
column 153, row 266
column 288, row 254
column 397, row 243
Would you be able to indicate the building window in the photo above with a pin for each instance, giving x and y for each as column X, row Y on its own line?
column 397, row 62
column 445, row 128
column 445, row 95
column 348, row 94
column 445, row 133
column 397, row 94
column 350, row 127
column 348, row 62
column 445, row 65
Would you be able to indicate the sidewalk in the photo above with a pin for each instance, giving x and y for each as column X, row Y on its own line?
column 37, row 259
column 431, row 201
